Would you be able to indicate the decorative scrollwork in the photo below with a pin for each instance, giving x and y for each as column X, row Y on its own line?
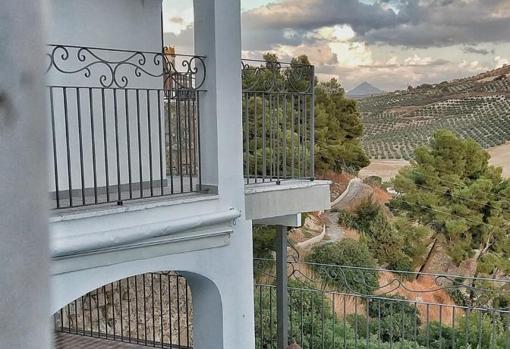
column 114, row 68
column 277, row 77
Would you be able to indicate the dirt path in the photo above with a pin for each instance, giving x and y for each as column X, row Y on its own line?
column 333, row 230
column 386, row 169
column 500, row 156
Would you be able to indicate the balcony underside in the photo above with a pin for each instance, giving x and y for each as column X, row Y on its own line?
column 291, row 197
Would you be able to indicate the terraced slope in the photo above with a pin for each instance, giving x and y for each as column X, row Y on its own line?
column 477, row 107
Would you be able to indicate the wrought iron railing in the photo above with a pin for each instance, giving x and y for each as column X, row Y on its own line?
column 124, row 124
column 152, row 310
column 278, row 121
column 353, row 307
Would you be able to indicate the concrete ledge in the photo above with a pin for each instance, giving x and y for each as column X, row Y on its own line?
column 115, row 238
column 81, row 212
column 291, row 197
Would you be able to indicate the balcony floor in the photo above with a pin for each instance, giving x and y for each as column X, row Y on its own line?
column 73, row 341
column 174, row 186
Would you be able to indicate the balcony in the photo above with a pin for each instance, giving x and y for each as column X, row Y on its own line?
column 125, row 125
column 278, row 141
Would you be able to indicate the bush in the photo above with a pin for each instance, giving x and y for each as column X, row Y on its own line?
column 263, row 241
column 375, row 181
column 346, row 219
column 476, row 330
column 345, row 253
column 314, row 324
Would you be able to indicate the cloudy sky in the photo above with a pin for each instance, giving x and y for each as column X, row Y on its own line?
column 390, row 43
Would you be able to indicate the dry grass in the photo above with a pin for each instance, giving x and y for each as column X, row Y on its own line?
column 422, row 290
column 340, row 181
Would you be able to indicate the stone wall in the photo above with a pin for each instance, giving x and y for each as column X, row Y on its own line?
column 148, row 308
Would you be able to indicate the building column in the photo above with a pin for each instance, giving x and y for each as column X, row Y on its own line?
column 24, row 257
column 217, row 31
column 217, row 34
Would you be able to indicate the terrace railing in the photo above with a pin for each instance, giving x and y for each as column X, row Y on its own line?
column 278, row 121
column 333, row 306
column 124, row 124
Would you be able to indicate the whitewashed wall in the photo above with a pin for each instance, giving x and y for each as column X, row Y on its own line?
column 132, row 25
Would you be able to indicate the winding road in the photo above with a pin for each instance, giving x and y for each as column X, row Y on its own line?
column 334, row 231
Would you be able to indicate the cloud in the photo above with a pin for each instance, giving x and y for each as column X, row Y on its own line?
column 478, row 51
column 411, row 23
column 265, row 25
column 392, row 75
column 500, row 61
column 183, row 39
column 392, row 43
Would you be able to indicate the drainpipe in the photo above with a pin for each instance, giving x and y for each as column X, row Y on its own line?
column 282, row 294
column 24, row 257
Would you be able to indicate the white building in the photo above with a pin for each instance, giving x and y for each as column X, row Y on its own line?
column 122, row 203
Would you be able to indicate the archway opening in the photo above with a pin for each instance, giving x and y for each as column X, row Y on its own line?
column 147, row 310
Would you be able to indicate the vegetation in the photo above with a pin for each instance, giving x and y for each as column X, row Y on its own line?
column 349, row 253
column 475, row 330
column 451, row 188
column 263, row 241
column 338, row 128
column 313, row 323
column 397, row 245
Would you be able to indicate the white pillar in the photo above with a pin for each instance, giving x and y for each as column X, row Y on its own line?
column 218, row 37
column 24, row 308
column 217, row 33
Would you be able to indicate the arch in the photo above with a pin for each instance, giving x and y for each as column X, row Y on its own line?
column 155, row 308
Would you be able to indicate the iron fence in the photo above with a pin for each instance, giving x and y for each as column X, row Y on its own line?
column 124, row 124
column 278, row 121
column 334, row 306
column 152, row 309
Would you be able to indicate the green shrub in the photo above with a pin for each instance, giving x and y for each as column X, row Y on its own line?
column 346, row 219
column 345, row 253
column 375, row 181
column 313, row 324
column 475, row 330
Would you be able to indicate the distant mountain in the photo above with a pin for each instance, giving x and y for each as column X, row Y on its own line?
column 364, row 89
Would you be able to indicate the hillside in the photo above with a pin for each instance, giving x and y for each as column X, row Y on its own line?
column 477, row 107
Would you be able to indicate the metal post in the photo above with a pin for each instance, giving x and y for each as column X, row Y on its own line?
column 282, row 295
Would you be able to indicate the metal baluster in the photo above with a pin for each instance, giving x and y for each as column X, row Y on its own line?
column 149, row 134
column 80, row 140
column 128, row 138
column 93, row 139
column 68, row 150
column 117, row 153
column 161, row 149
column 54, row 146
column 140, row 161
column 105, row 141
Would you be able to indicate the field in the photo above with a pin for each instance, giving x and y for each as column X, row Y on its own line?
column 478, row 107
